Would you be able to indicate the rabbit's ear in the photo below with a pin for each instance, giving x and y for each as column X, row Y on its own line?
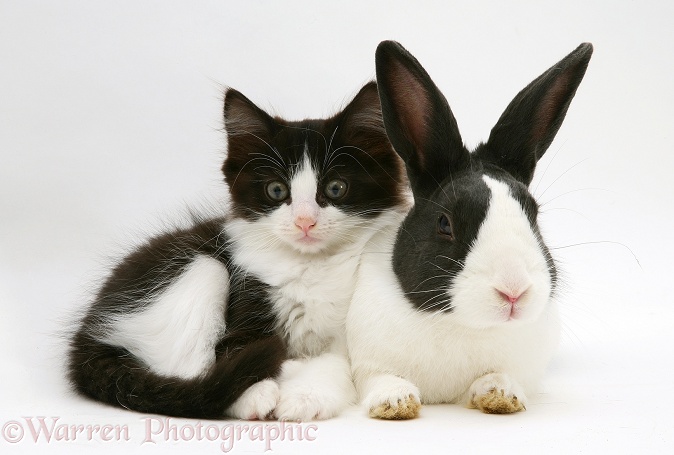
column 418, row 120
column 531, row 120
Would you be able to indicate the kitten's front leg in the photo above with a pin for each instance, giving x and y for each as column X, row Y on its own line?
column 315, row 389
column 257, row 402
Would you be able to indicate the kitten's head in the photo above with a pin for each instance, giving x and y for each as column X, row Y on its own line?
column 314, row 184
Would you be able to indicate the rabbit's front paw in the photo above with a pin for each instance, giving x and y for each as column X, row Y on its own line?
column 393, row 399
column 496, row 393
column 395, row 408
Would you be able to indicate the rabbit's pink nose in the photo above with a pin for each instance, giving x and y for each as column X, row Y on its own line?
column 511, row 297
column 305, row 223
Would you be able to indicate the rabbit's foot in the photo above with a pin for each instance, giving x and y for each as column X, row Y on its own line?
column 392, row 398
column 497, row 402
column 496, row 393
column 403, row 409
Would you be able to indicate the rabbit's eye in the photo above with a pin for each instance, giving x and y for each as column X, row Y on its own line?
column 445, row 226
column 277, row 191
column 335, row 189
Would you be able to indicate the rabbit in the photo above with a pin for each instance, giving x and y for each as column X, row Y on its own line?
column 456, row 303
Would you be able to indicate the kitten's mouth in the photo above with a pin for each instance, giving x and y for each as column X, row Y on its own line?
column 308, row 240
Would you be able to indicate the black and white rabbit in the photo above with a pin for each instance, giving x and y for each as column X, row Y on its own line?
column 455, row 305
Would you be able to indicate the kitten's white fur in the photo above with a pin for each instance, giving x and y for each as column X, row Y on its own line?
column 311, row 285
column 176, row 332
column 257, row 402
column 311, row 291
column 398, row 352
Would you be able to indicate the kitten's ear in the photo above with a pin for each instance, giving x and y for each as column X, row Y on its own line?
column 249, row 130
column 243, row 119
column 363, row 114
column 531, row 120
column 418, row 119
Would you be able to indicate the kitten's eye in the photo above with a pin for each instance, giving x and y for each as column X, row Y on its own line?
column 277, row 191
column 335, row 189
column 445, row 226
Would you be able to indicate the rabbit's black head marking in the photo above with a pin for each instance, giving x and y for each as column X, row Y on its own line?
column 471, row 244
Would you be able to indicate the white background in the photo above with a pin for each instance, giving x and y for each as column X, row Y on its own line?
column 110, row 118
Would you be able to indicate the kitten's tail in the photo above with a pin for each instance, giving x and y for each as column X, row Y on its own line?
column 113, row 375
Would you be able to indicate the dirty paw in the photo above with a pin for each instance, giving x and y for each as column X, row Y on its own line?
column 400, row 409
column 497, row 393
column 497, row 402
column 392, row 398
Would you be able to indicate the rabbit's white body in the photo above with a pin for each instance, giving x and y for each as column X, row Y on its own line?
column 439, row 355
column 455, row 305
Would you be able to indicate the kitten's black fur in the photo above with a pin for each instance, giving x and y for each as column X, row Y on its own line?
column 251, row 349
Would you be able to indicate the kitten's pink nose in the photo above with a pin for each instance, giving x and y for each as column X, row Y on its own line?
column 305, row 223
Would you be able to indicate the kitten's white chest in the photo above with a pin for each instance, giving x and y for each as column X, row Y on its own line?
column 311, row 305
column 310, row 295
column 310, row 292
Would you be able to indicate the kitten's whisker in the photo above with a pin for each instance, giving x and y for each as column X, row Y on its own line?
column 444, row 209
column 369, row 156
column 266, row 157
column 328, row 153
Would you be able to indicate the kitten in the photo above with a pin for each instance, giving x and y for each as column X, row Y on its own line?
column 244, row 316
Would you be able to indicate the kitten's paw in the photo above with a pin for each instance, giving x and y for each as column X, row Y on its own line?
column 496, row 393
column 257, row 402
column 306, row 403
column 399, row 401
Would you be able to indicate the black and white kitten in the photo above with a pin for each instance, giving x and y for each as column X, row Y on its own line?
column 244, row 316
